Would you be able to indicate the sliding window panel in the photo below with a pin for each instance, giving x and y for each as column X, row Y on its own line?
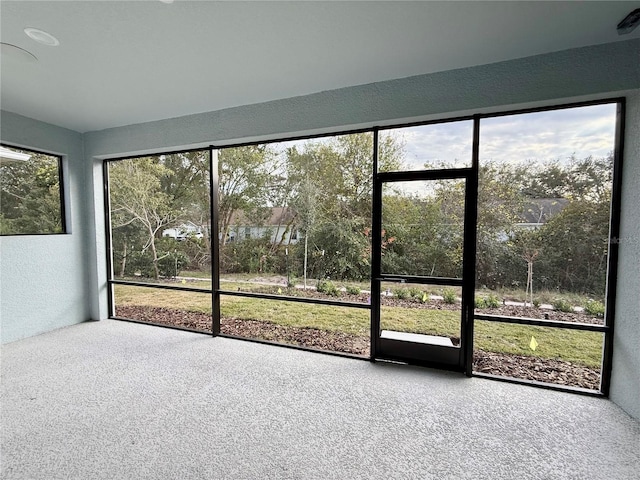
column 314, row 326
column 295, row 217
column 172, row 308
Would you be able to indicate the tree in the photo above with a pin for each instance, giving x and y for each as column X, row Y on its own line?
column 30, row 199
column 330, row 185
column 186, row 182
column 137, row 199
column 575, row 247
column 245, row 177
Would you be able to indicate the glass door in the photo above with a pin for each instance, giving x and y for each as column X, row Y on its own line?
column 422, row 295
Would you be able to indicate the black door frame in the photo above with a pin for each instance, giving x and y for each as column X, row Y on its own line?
column 450, row 358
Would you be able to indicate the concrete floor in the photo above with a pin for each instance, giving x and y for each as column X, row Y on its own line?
column 115, row 400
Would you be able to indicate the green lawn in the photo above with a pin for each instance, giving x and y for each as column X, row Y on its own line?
column 574, row 346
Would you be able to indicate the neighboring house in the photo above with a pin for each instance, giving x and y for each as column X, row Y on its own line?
column 536, row 212
column 280, row 227
column 539, row 211
column 183, row 231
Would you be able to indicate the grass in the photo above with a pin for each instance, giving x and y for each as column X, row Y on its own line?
column 292, row 314
column 195, row 274
column 574, row 346
column 543, row 296
column 579, row 347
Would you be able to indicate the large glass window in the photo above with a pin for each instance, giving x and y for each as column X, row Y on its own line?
column 294, row 232
column 31, row 198
column 543, row 207
column 294, row 221
column 160, row 218
column 159, row 207
column 544, row 202
column 294, row 217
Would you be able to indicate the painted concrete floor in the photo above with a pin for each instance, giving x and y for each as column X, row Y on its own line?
column 115, row 400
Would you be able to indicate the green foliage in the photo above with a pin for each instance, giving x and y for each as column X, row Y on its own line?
column 593, row 307
column 449, row 296
column 423, row 236
column 324, row 188
column 170, row 264
column 562, row 305
column 492, row 301
column 401, row 293
column 327, row 287
column 30, row 201
column 416, row 292
column 339, row 250
column 536, row 303
column 139, row 263
column 250, row 255
column 353, row 290
column 139, row 204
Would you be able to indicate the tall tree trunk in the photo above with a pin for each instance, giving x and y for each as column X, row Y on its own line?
column 123, row 264
column 152, row 245
column 306, row 246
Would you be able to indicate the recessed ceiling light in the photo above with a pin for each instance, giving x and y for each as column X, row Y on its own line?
column 42, row 37
column 11, row 51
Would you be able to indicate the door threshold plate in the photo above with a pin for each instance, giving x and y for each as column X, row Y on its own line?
column 417, row 338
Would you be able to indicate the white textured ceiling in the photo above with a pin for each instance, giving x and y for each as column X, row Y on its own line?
column 127, row 62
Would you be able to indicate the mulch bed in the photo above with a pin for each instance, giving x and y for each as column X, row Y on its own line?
column 559, row 372
column 553, row 371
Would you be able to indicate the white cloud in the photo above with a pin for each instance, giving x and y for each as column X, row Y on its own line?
column 449, row 143
column 550, row 135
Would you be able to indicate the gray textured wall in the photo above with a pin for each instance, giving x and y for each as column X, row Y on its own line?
column 43, row 278
column 625, row 380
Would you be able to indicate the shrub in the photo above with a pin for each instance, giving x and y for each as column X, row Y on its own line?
column 593, row 307
column 139, row 263
column 492, row 301
column 327, row 287
column 401, row 293
column 353, row 290
column 449, row 295
column 480, row 302
column 562, row 305
column 415, row 292
column 536, row 303
column 170, row 264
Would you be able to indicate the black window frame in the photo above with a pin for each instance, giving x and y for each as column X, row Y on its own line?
column 61, row 189
column 614, row 232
